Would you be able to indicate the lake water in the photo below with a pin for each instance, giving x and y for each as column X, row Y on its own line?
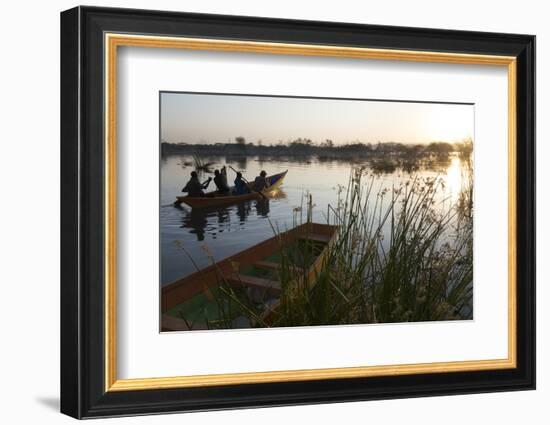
column 219, row 233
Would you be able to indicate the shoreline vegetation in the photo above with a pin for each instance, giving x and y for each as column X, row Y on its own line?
column 382, row 157
column 326, row 149
column 400, row 256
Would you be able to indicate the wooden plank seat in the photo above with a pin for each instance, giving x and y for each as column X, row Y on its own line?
column 315, row 237
column 270, row 265
column 271, row 286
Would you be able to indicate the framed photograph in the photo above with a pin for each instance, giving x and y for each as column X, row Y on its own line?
column 261, row 212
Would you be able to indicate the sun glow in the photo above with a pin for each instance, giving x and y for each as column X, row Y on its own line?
column 276, row 119
column 454, row 179
column 447, row 123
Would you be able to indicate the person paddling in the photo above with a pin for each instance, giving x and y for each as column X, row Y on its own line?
column 194, row 187
column 260, row 182
column 240, row 185
column 220, row 179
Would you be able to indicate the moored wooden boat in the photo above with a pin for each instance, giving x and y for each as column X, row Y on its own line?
column 214, row 199
column 256, row 269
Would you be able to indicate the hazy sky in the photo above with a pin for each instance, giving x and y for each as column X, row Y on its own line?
column 205, row 118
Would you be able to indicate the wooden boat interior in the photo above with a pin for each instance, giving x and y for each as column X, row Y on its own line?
column 190, row 302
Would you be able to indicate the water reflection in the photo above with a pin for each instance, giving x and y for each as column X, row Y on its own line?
column 232, row 228
column 195, row 220
column 240, row 161
column 214, row 221
column 262, row 207
column 454, row 183
column 243, row 209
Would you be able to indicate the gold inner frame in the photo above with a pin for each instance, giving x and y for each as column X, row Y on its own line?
column 113, row 41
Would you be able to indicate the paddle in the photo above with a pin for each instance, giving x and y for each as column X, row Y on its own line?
column 251, row 186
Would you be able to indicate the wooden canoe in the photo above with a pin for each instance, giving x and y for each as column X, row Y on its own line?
column 235, row 270
column 214, row 199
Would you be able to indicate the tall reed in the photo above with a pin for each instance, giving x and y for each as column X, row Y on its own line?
column 400, row 255
column 396, row 259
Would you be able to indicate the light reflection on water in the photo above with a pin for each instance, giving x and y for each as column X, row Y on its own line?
column 222, row 232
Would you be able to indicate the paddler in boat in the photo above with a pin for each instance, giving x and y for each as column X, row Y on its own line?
column 194, row 187
column 241, row 187
column 220, row 179
column 260, row 182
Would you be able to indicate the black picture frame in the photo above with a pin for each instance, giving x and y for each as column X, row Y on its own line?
column 83, row 392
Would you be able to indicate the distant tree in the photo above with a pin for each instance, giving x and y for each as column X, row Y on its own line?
column 414, row 149
column 466, row 146
column 240, row 140
column 398, row 147
column 301, row 142
column 439, row 147
column 327, row 144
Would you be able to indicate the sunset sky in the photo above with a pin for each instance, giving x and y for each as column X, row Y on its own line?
column 206, row 118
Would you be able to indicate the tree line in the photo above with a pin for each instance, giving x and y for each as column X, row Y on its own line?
column 306, row 146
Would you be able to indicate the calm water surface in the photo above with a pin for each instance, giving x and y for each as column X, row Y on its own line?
column 225, row 231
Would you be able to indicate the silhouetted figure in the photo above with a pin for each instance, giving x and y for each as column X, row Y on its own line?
column 220, row 179
column 194, row 187
column 260, row 182
column 240, row 185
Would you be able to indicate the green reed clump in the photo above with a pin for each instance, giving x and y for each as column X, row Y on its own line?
column 398, row 256
column 396, row 259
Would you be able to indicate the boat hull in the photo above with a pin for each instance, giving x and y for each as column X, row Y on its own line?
column 229, row 270
column 213, row 199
